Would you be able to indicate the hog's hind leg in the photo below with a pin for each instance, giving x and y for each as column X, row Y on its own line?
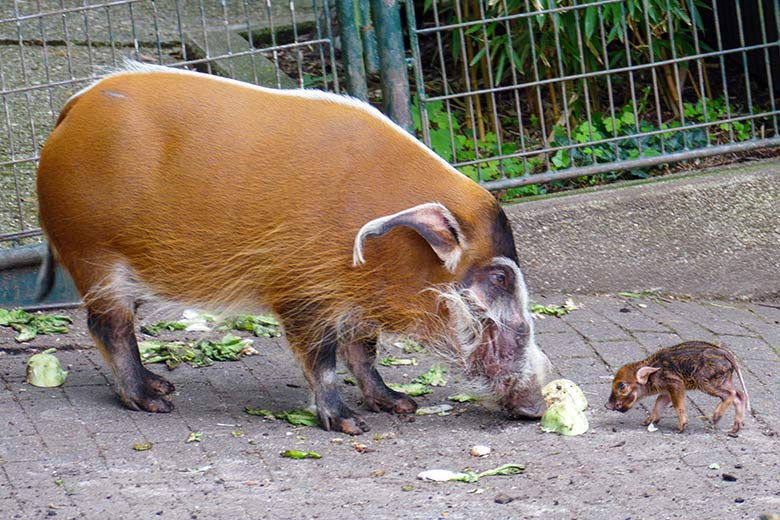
column 138, row 388
column 319, row 366
column 360, row 357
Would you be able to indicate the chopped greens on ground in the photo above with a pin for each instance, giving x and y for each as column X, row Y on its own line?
column 261, row 325
column 395, row 362
column 296, row 454
column 200, row 354
column 539, row 310
column 294, row 417
column 44, row 370
column 409, row 346
column 30, row 325
column 468, row 475
column 433, row 377
column 413, row 389
column 142, row 446
column 462, row 398
column 439, row 409
column 155, row 328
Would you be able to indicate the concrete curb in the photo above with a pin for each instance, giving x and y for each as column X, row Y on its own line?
column 713, row 234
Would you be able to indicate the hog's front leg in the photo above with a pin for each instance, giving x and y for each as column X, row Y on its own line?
column 319, row 367
column 360, row 357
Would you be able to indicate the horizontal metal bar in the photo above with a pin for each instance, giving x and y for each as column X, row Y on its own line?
column 50, row 306
column 21, row 256
column 179, row 64
column 29, row 233
column 610, row 140
column 68, row 10
column 510, row 17
column 23, row 160
column 541, row 178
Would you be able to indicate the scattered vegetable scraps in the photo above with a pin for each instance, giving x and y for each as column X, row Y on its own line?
column 262, row 326
column 462, row 398
column 294, row 417
column 467, row 475
column 440, row 409
column 395, row 362
column 433, row 377
column 30, row 325
column 142, row 446
column 409, row 346
column 296, row 454
column 44, row 370
column 553, row 310
column 413, row 389
column 565, row 406
column 200, row 354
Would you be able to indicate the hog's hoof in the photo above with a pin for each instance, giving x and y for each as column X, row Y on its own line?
column 649, row 420
column 345, row 421
column 391, row 401
column 146, row 401
column 157, row 385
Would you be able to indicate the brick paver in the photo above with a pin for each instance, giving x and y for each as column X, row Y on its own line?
column 67, row 452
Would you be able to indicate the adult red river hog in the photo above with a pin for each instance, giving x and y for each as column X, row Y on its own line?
column 167, row 186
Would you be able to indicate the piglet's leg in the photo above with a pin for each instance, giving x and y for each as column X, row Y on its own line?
column 727, row 396
column 319, row 366
column 660, row 404
column 739, row 417
column 677, row 395
column 360, row 357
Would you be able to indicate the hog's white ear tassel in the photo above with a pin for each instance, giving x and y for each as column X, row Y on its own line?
column 432, row 221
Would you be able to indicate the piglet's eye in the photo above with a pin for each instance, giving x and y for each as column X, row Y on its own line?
column 499, row 278
column 621, row 386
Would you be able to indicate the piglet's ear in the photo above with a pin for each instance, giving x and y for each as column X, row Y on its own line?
column 432, row 221
column 643, row 373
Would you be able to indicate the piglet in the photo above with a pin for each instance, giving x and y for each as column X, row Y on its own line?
column 693, row 365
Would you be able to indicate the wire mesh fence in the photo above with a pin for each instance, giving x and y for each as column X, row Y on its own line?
column 50, row 49
column 520, row 95
column 517, row 93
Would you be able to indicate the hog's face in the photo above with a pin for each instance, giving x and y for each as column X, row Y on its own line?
column 493, row 330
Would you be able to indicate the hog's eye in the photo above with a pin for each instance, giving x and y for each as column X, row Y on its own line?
column 621, row 386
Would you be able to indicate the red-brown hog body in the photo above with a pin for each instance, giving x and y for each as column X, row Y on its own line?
column 177, row 187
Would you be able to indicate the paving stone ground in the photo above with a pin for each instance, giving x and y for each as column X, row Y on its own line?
column 67, row 452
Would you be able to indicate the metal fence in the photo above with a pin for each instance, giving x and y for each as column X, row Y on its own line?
column 522, row 92
column 50, row 49
column 518, row 94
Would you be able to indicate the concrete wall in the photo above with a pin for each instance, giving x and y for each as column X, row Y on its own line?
column 716, row 233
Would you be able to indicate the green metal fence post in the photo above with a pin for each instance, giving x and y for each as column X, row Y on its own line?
column 370, row 52
column 395, row 81
column 352, row 48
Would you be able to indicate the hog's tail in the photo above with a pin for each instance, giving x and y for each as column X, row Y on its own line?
column 733, row 361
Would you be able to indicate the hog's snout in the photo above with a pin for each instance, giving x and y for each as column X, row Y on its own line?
column 520, row 400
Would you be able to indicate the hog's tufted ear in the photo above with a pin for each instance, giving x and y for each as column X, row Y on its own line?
column 643, row 373
column 432, row 221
